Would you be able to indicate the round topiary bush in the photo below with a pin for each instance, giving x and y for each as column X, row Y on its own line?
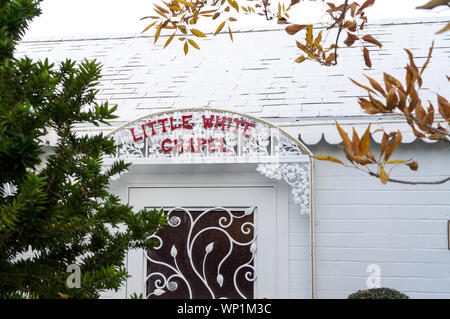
column 378, row 293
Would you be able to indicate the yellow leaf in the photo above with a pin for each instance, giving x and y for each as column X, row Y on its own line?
column 235, row 5
column 220, row 27
column 356, row 142
column 444, row 29
column 175, row 8
column 230, row 33
column 189, row 4
column 161, row 8
column 365, row 142
column 157, row 33
column 186, row 48
column 384, row 177
column 161, row 13
column 395, row 162
column 169, row 40
column 300, row 59
column 192, row 42
column 149, row 26
column 309, row 35
column 328, row 158
column 344, row 137
column 198, row 33
column 317, row 40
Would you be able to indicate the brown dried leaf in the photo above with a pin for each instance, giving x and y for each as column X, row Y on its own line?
column 429, row 118
column 331, row 58
column 367, row 106
column 367, row 58
column 444, row 107
column 384, row 142
column 363, row 86
column 433, row 4
column 420, row 114
column 413, row 165
column 376, row 103
column 350, row 25
column 370, row 155
column 371, row 39
column 328, row 158
column 392, row 99
column 430, row 51
column 377, row 86
column 351, row 38
column 361, row 160
column 414, row 100
column 366, row 4
column 353, row 8
column 393, row 81
column 417, row 133
column 393, row 145
column 402, row 101
column 294, row 28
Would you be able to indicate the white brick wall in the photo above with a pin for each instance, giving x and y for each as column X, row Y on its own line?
column 359, row 222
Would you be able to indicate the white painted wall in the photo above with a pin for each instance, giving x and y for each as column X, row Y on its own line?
column 359, row 222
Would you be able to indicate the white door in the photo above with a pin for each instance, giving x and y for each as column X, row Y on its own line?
column 198, row 257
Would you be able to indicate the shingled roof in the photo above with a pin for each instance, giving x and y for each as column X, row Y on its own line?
column 256, row 74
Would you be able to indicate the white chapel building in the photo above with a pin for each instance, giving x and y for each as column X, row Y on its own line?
column 223, row 140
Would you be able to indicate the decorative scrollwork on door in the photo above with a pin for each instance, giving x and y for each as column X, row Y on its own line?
column 203, row 253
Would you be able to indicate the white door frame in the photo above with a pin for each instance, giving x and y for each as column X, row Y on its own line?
column 272, row 227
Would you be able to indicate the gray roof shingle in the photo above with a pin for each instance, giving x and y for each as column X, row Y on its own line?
column 256, row 74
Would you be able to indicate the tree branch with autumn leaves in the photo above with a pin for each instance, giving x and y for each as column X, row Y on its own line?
column 181, row 16
column 395, row 98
